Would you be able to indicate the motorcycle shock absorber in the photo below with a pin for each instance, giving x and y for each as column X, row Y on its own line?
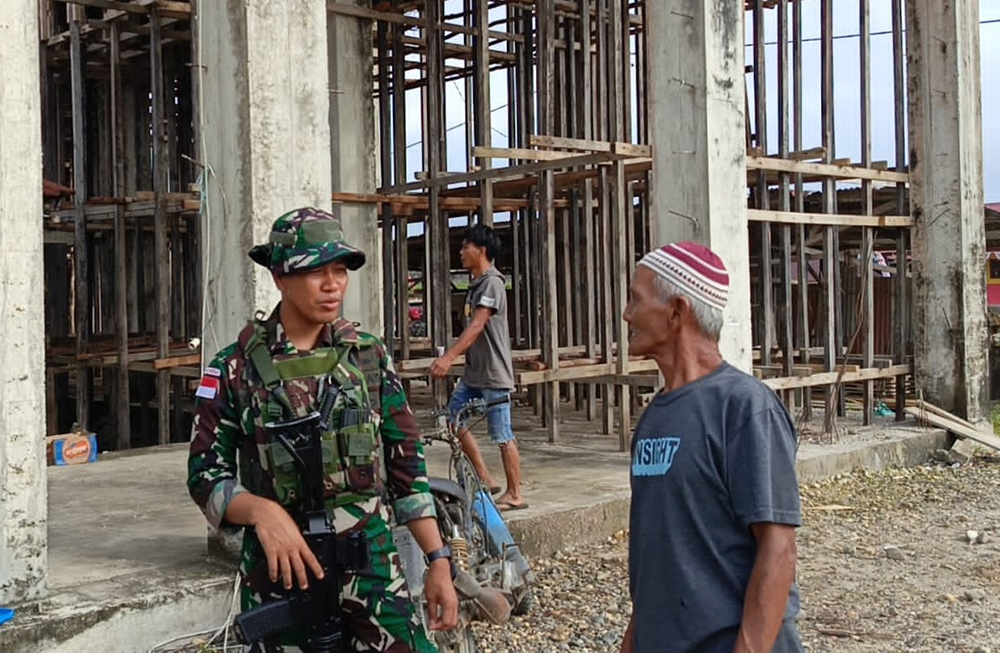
column 459, row 549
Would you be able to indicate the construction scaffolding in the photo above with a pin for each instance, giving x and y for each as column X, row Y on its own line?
column 121, row 233
column 553, row 151
column 572, row 179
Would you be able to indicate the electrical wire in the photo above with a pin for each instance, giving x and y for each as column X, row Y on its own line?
column 215, row 632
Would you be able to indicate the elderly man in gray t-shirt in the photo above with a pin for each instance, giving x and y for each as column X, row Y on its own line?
column 715, row 501
column 489, row 370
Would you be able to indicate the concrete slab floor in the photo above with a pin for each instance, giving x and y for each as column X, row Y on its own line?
column 124, row 535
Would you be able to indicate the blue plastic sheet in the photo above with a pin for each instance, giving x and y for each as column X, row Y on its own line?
column 6, row 614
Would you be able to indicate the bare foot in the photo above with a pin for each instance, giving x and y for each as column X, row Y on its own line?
column 508, row 498
column 509, row 504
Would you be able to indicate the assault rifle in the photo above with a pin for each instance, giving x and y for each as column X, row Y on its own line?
column 314, row 612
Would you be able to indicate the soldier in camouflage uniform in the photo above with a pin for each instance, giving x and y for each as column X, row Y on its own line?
column 276, row 370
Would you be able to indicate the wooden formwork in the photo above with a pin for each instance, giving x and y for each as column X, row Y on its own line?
column 554, row 154
column 578, row 169
column 802, row 234
column 117, row 119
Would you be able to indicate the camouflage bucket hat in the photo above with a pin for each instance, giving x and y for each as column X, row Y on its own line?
column 304, row 239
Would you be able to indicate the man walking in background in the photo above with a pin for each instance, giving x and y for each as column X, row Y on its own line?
column 489, row 370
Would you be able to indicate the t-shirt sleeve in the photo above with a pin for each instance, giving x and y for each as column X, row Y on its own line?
column 760, row 470
column 492, row 295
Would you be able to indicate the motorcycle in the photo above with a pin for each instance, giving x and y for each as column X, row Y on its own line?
column 493, row 580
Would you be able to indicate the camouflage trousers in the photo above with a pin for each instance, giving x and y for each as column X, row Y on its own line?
column 377, row 612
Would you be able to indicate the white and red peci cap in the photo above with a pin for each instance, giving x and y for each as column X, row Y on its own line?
column 694, row 268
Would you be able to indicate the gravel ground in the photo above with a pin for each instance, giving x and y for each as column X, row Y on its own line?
column 901, row 560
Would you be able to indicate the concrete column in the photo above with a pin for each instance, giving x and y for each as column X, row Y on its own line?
column 946, row 197
column 354, row 150
column 23, row 493
column 266, row 136
column 697, row 131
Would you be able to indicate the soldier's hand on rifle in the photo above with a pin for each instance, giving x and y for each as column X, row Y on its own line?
column 287, row 553
column 442, row 601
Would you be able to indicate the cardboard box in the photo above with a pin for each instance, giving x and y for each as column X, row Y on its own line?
column 71, row 448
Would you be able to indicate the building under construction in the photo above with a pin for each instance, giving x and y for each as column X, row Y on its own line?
column 166, row 136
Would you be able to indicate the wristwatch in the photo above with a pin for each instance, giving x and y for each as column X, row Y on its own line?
column 443, row 552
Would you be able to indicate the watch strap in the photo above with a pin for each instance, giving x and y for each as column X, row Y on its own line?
column 443, row 552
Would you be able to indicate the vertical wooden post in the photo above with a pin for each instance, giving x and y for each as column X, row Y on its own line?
column 399, row 155
column 620, row 270
column 80, row 248
column 867, row 242
column 902, row 305
column 830, row 253
column 196, row 226
column 802, row 258
column 549, row 330
column 585, row 101
column 385, row 159
column 439, row 287
column 620, row 217
column 161, row 164
column 788, row 338
column 481, row 102
column 122, row 412
column 763, row 201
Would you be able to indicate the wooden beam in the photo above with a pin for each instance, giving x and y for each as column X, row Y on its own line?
column 955, row 426
column 830, row 219
column 167, row 8
column 176, row 361
column 828, row 378
column 180, row 370
column 616, row 147
column 503, row 173
column 579, row 373
column 519, row 153
column 826, row 170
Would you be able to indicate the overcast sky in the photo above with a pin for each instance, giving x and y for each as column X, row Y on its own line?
column 846, row 83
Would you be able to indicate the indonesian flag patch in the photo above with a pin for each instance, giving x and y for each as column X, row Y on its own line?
column 209, row 386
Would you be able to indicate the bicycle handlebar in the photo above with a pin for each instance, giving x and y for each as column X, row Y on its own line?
column 472, row 406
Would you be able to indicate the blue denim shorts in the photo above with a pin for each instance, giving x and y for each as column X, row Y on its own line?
column 497, row 417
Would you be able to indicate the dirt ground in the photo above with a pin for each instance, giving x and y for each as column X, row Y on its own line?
column 885, row 564
column 894, row 568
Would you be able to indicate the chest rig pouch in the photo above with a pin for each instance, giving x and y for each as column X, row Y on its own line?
column 327, row 387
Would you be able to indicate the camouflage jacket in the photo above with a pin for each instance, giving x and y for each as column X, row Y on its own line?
column 229, row 427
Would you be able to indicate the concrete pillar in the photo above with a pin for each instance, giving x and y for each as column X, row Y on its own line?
column 23, row 493
column 266, row 136
column 946, row 197
column 354, row 151
column 697, row 131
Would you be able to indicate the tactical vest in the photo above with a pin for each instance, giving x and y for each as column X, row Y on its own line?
column 289, row 386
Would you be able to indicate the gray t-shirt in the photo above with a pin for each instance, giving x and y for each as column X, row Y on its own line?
column 488, row 363
column 708, row 460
